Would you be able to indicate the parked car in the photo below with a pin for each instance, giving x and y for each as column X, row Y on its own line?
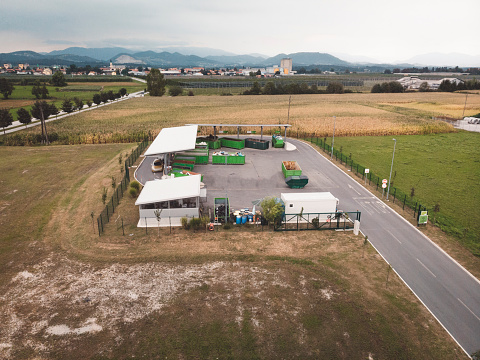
column 157, row 165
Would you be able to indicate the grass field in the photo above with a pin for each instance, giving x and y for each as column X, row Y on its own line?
column 227, row 294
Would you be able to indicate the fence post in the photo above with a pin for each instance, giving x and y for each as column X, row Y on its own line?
column 394, row 194
column 101, row 221
column 98, row 225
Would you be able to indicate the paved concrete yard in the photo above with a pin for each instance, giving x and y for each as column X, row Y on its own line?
column 260, row 176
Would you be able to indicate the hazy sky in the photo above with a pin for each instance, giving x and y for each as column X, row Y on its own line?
column 380, row 29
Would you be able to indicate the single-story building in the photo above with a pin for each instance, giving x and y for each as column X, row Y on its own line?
column 174, row 197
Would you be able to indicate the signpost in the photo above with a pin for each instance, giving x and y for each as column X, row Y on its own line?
column 384, row 185
column 366, row 172
column 423, row 217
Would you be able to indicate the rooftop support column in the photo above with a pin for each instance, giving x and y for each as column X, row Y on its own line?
column 261, row 132
column 238, row 132
column 214, row 132
column 285, row 137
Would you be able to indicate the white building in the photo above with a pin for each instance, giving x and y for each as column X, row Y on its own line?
column 174, row 197
column 414, row 82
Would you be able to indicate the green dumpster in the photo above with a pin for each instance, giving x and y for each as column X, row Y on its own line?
column 291, row 168
column 257, row 144
column 277, row 141
column 296, row 182
column 233, row 143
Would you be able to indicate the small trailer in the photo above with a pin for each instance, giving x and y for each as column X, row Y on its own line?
column 304, row 207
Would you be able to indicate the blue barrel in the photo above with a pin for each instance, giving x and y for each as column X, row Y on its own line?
column 244, row 219
column 239, row 219
column 250, row 217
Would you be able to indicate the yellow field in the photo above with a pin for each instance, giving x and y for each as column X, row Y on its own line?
column 356, row 114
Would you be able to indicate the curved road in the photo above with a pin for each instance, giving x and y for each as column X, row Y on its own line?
column 449, row 292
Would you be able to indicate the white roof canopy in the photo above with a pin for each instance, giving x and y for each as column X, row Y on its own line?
column 174, row 139
column 169, row 189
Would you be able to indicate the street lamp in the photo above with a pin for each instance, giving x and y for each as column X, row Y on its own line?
column 333, row 138
column 388, row 190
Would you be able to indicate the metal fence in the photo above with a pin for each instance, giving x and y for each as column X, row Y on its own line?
column 109, row 209
column 318, row 221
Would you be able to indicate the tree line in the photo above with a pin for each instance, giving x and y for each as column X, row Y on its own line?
column 272, row 88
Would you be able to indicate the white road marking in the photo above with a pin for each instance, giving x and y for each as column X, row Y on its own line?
column 426, row 268
column 394, row 237
column 469, row 309
column 351, row 187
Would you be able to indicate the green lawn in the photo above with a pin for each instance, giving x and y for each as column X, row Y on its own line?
column 443, row 169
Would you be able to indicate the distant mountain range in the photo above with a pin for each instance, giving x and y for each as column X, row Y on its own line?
column 191, row 56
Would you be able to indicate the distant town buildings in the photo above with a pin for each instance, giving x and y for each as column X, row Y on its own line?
column 414, row 82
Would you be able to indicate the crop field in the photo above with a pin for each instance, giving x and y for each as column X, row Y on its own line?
column 65, row 292
column 356, row 114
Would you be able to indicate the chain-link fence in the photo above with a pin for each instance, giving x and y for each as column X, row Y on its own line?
column 109, row 209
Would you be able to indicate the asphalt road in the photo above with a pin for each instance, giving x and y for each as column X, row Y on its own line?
column 450, row 293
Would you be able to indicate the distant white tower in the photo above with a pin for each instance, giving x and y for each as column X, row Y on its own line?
column 286, row 64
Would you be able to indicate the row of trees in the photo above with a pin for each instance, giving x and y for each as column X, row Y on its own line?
column 272, row 88
column 449, row 86
column 42, row 110
column 388, row 87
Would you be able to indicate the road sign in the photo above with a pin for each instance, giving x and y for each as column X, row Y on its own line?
column 384, row 185
column 367, row 171
column 423, row 217
column 384, row 181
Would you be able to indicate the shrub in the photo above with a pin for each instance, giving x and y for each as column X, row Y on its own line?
column 133, row 192
column 135, row 184
column 175, row 90
column 185, row 223
column 190, row 93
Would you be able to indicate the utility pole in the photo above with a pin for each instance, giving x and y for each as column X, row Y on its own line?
column 390, row 178
column 466, row 96
column 333, row 138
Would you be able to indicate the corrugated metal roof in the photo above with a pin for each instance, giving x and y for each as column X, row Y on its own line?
column 173, row 139
column 169, row 189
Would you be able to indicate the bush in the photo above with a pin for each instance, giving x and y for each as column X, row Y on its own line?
column 135, row 184
column 190, row 93
column 175, row 90
column 133, row 192
column 335, row 88
column 185, row 223
column 272, row 210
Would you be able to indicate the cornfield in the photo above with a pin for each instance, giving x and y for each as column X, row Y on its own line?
column 355, row 115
